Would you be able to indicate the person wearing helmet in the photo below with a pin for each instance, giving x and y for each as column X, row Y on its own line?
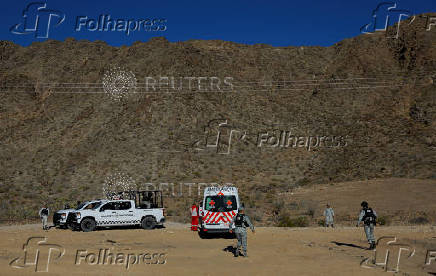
column 369, row 217
column 240, row 222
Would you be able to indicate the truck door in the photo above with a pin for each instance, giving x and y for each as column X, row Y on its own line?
column 108, row 214
column 126, row 213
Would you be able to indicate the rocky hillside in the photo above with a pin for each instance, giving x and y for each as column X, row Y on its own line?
column 286, row 116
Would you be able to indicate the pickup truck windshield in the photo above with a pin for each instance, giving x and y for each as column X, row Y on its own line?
column 81, row 205
column 220, row 203
column 88, row 205
column 97, row 204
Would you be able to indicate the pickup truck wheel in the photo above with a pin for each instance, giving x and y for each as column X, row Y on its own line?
column 148, row 223
column 87, row 225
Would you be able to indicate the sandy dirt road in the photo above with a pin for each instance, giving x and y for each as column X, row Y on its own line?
column 179, row 251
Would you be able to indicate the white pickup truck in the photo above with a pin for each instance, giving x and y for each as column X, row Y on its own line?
column 60, row 217
column 109, row 213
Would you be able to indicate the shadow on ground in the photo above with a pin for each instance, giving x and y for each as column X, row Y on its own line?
column 348, row 244
column 205, row 235
column 230, row 249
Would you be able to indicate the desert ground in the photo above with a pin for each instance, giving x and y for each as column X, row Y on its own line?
column 399, row 200
column 272, row 251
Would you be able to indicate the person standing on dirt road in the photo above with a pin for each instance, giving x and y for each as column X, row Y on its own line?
column 43, row 213
column 369, row 217
column 240, row 222
column 329, row 215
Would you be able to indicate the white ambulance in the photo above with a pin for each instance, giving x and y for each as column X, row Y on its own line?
column 219, row 206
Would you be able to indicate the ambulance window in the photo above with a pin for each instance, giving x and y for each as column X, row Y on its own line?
column 210, row 203
column 220, row 203
column 230, row 202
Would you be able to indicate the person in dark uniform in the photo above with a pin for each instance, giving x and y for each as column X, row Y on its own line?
column 43, row 213
column 240, row 222
column 369, row 217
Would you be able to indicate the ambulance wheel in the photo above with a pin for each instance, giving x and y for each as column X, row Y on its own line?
column 148, row 223
column 202, row 234
column 87, row 225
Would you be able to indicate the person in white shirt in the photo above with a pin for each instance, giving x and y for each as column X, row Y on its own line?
column 329, row 215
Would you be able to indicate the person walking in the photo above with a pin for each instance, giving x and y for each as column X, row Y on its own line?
column 43, row 213
column 369, row 217
column 329, row 215
column 240, row 222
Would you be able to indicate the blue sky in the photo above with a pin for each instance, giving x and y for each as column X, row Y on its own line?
column 278, row 23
